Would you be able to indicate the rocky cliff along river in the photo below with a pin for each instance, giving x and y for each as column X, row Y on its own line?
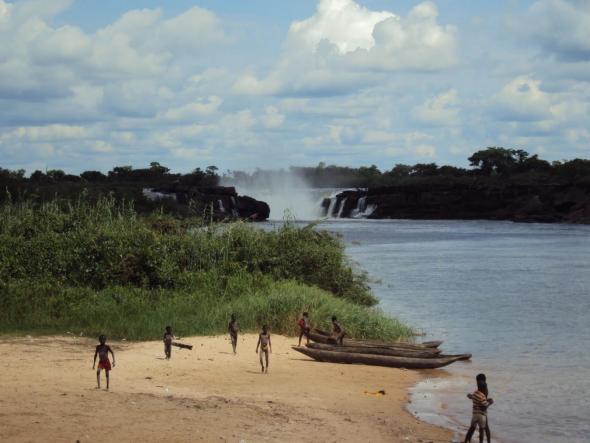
column 525, row 203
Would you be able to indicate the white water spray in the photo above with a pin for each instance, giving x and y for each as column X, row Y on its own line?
column 287, row 194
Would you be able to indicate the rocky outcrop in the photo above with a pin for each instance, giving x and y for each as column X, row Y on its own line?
column 537, row 203
column 219, row 201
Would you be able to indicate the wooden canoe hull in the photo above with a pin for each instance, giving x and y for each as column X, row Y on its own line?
column 318, row 337
column 376, row 360
column 396, row 352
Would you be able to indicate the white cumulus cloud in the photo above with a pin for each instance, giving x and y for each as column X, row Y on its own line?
column 343, row 47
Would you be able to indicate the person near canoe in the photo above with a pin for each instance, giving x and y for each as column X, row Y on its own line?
column 481, row 402
column 102, row 351
column 232, row 328
column 338, row 331
column 265, row 348
column 304, row 327
column 168, row 337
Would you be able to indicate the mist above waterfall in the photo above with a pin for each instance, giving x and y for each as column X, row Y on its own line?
column 287, row 194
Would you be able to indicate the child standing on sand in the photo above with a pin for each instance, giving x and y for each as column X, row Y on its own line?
column 232, row 328
column 304, row 327
column 338, row 331
column 168, row 337
column 265, row 347
column 480, row 406
column 102, row 351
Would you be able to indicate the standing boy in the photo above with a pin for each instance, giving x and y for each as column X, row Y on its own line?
column 232, row 328
column 168, row 337
column 265, row 347
column 102, row 351
column 338, row 331
column 304, row 327
column 480, row 406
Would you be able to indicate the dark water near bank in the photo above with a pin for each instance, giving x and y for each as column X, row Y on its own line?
column 515, row 295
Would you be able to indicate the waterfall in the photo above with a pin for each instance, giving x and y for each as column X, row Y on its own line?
column 287, row 194
column 341, row 209
column 336, row 206
column 369, row 210
column 362, row 210
column 150, row 194
column 234, row 207
column 332, row 206
column 361, row 205
column 221, row 208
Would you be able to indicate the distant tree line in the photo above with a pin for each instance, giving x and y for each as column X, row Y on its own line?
column 493, row 164
column 155, row 174
column 122, row 182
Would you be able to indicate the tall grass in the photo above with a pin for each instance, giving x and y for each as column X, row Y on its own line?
column 105, row 244
column 137, row 313
column 102, row 268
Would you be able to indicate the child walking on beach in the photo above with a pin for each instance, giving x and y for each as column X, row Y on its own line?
column 232, row 328
column 480, row 406
column 304, row 327
column 265, row 347
column 102, row 351
column 168, row 337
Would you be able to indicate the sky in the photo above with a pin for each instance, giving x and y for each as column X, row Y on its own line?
column 89, row 85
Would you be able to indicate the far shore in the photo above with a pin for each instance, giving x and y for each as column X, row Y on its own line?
column 47, row 393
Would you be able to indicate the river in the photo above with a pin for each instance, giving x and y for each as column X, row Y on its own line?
column 517, row 296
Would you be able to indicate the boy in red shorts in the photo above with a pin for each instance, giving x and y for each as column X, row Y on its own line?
column 102, row 351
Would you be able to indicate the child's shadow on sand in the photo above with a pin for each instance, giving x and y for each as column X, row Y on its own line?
column 160, row 358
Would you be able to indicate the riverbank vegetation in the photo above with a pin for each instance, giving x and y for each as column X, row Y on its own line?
column 100, row 267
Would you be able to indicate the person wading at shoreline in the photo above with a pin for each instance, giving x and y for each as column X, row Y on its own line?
column 265, row 347
column 102, row 351
column 338, row 331
column 232, row 328
column 480, row 406
column 482, row 377
column 304, row 327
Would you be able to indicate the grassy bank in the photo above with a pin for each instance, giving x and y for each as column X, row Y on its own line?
column 94, row 268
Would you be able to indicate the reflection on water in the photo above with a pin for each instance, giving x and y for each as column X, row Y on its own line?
column 515, row 295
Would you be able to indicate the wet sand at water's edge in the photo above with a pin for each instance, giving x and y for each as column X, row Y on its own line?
column 47, row 393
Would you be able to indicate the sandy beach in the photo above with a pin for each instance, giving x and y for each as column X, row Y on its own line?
column 48, row 393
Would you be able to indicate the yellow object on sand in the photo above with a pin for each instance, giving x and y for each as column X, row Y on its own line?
column 376, row 393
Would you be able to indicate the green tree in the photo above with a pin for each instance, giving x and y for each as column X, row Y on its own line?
column 497, row 160
column 56, row 174
column 158, row 168
column 424, row 169
column 400, row 170
column 93, row 176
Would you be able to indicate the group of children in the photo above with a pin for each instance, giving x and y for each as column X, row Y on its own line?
column 480, row 398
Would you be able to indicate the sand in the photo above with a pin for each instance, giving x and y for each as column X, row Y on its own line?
column 48, row 393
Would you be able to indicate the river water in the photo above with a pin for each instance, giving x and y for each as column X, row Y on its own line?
column 517, row 296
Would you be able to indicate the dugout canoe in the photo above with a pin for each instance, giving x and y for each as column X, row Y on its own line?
column 376, row 360
column 320, row 337
column 396, row 352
